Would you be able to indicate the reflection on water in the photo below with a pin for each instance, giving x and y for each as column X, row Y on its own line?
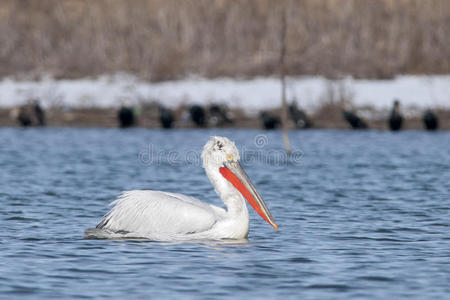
column 361, row 215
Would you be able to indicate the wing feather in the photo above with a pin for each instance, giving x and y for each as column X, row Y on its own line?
column 150, row 212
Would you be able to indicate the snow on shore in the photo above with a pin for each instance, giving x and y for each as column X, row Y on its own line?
column 258, row 93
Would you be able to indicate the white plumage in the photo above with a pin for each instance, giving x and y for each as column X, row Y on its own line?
column 167, row 216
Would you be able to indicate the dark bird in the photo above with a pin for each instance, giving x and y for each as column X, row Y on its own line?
column 24, row 117
column 198, row 115
column 218, row 115
column 39, row 113
column 166, row 117
column 299, row 117
column 269, row 121
column 353, row 120
column 430, row 120
column 396, row 118
column 126, row 117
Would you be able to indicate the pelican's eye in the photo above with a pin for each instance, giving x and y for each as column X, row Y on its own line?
column 229, row 157
column 219, row 145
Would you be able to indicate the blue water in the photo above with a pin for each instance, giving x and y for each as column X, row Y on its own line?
column 361, row 214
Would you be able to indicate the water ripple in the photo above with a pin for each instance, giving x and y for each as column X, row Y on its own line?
column 364, row 215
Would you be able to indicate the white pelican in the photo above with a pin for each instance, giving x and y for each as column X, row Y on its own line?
column 169, row 217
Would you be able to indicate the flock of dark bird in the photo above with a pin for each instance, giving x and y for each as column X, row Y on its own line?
column 218, row 116
column 215, row 116
column 395, row 120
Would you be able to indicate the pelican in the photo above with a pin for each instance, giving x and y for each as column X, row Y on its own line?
column 165, row 216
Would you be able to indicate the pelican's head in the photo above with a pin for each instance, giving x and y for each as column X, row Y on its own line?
column 219, row 150
column 222, row 155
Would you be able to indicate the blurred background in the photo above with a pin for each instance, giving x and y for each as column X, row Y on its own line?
column 217, row 63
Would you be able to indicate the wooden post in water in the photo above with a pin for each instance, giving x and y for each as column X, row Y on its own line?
column 284, row 111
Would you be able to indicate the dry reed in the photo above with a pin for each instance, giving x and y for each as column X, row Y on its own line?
column 169, row 39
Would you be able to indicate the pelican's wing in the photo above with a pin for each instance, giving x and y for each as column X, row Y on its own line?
column 150, row 212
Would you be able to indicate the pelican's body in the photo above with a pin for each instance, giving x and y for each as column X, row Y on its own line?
column 168, row 216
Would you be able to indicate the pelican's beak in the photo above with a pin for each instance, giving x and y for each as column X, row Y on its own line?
column 235, row 174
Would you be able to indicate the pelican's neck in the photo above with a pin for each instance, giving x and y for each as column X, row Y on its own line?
column 233, row 200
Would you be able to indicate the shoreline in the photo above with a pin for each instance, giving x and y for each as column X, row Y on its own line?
column 107, row 118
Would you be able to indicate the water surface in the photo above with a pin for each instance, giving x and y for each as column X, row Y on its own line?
column 361, row 215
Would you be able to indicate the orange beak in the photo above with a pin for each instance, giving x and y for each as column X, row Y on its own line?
column 235, row 174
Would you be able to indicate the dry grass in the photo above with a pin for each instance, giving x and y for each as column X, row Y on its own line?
column 167, row 39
